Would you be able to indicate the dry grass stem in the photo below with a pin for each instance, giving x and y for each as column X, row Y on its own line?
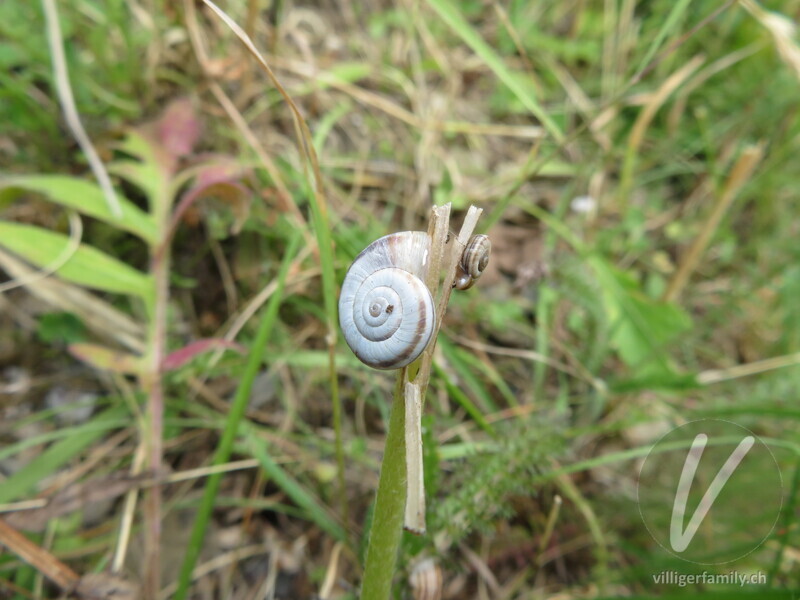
column 445, row 255
column 782, row 30
column 393, row 109
column 39, row 558
column 67, row 101
column 643, row 121
column 762, row 366
column 739, row 175
column 101, row 317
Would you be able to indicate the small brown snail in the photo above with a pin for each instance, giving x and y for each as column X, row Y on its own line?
column 473, row 261
column 426, row 580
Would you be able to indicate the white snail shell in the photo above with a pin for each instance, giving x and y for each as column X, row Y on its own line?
column 473, row 261
column 385, row 309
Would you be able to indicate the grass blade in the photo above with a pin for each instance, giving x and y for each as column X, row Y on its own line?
column 235, row 417
column 59, row 453
column 293, row 489
column 515, row 82
column 666, row 28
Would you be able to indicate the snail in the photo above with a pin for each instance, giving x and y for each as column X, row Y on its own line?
column 385, row 309
column 426, row 580
column 473, row 261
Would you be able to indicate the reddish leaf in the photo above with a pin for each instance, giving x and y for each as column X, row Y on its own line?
column 222, row 180
column 180, row 357
column 178, row 128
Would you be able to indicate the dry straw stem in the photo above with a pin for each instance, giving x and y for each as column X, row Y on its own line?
column 739, row 175
column 572, row 493
column 102, row 318
column 753, row 368
column 549, row 527
column 783, row 32
column 39, row 558
column 643, row 121
column 319, row 210
column 304, row 138
column 447, row 257
column 331, row 573
column 393, row 109
column 67, row 101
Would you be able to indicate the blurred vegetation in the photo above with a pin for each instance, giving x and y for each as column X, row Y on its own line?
column 636, row 162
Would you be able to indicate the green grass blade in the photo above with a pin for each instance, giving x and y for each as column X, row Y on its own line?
column 75, row 441
column 467, row 404
column 319, row 217
column 293, row 489
column 643, row 451
column 235, row 417
column 86, row 198
column 515, row 82
column 666, row 28
column 87, row 266
column 783, row 538
column 457, row 359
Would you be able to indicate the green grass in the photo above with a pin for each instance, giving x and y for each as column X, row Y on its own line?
column 553, row 376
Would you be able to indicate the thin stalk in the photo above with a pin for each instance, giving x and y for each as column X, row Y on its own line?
column 387, row 521
column 151, row 383
column 322, row 232
column 546, row 301
column 785, row 527
column 235, row 416
column 740, row 174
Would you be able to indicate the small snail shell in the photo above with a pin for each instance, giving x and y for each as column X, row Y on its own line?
column 385, row 309
column 426, row 580
column 473, row 261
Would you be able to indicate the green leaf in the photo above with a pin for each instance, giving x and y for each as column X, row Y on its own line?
column 86, row 198
column 61, row 327
column 641, row 327
column 87, row 266
column 146, row 172
column 518, row 83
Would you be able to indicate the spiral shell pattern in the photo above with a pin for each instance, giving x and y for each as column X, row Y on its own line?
column 386, row 311
column 473, row 261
